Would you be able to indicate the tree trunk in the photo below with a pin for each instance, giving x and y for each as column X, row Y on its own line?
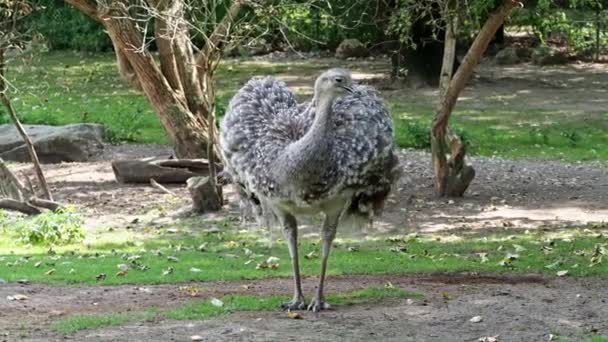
column 186, row 130
column 174, row 89
column 453, row 176
column 28, row 142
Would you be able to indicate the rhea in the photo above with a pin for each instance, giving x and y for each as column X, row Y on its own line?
column 333, row 155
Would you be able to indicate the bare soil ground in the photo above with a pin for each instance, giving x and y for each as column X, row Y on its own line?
column 522, row 308
column 505, row 195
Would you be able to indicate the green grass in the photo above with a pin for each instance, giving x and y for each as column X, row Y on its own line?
column 76, row 323
column 230, row 304
column 588, row 339
column 508, row 134
column 62, row 88
column 173, row 258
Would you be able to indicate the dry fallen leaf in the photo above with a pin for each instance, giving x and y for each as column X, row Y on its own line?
column 121, row 273
column 476, row 319
column 519, row 248
column 123, row 267
column 217, row 302
column 168, row 271
column 195, row 270
column 484, row 257
column 192, row 291
column 562, row 273
column 49, row 272
column 271, row 263
column 311, row 255
column 293, row 315
column 17, row 297
column 272, row 260
column 143, row 289
column 172, row 258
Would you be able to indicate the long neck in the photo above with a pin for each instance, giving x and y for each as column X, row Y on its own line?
column 321, row 124
column 302, row 158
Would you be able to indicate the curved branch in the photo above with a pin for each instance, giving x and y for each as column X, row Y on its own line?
column 86, row 7
column 470, row 61
column 213, row 42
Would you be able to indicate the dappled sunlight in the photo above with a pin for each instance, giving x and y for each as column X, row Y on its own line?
column 514, row 218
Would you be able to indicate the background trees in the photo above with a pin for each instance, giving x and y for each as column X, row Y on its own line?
column 169, row 49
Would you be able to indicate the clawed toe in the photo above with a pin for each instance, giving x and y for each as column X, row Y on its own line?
column 318, row 305
column 294, row 305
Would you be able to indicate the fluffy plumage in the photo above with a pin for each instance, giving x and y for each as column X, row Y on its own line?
column 263, row 119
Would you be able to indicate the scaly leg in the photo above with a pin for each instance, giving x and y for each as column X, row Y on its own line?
column 328, row 234
column 290, row 231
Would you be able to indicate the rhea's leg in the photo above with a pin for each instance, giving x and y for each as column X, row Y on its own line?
column 328, row 234
column 290, row 231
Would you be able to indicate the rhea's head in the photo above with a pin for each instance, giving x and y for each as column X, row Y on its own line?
column 333, row 83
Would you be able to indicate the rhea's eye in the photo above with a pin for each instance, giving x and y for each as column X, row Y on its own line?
column 339, row 79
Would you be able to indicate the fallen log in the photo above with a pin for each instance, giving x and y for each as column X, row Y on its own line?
column 161, row 171
column 14, row 195
column 23, row 207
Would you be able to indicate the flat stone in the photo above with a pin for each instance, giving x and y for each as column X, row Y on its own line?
column 54, row 144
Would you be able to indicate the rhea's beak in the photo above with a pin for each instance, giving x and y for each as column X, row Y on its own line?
column 348, row 89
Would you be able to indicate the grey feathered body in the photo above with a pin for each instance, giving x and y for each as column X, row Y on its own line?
column 354, row 161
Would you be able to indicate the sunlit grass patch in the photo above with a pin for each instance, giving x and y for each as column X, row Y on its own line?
column 186, row 257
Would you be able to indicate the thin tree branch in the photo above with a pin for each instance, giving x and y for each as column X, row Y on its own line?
column 213, row 42
column 46, row 204
column 160, row 187
column 164, row 28
column 86, row 7
column 470, row 61
column 28, row 142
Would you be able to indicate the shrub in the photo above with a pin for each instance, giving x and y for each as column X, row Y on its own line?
column 50, row 228
column 65, row 28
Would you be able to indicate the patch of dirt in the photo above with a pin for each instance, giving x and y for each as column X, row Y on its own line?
column 517, row 308
column 505, row 195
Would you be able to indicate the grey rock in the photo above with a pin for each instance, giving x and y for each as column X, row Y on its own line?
column 545, row 55
column 507, row 56
column 351, row 48
column 524, row 53
column 54, row 144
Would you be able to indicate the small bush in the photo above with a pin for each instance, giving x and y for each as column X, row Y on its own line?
column 50, row 228
column 65, row 28
column 412, row 134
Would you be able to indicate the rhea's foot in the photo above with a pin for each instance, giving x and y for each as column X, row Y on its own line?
column 297, row 303
column 318, row 304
